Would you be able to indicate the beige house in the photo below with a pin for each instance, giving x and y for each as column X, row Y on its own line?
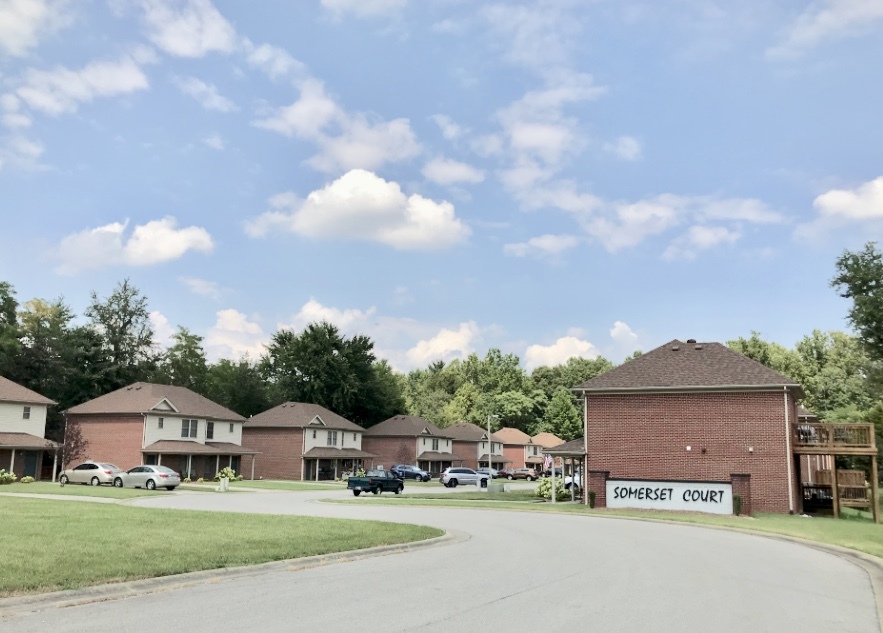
column 473, row 446
column 408, row 439
column 22, row 431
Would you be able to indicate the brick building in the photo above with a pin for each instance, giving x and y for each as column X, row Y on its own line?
column 408, row 439
column 694, row 413
column 22, row 430
column 297, row 440
column 524, row 451
column 470, row 444
column 146, row 423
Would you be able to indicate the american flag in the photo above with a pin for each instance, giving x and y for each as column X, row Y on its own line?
column 547, row 463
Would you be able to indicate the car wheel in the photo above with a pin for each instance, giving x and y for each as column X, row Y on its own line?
column 510, row 477
column 95, row 481
column 151, row 485
column 529, row 478
column 452, row 483
column 170, row 487
column 118, row 483
column 484, row 483
column 356, row 493
column 399, row 490
column 63, row 480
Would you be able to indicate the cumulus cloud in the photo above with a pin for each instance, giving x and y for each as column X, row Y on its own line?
column 203, row 288
column 188, row 28
column 449, row 129
column 626, row 147
column 155, row 242
column 624, row 338
column 699, row 238
column 827, row 19
column 162, row 329
column 62, row 89
column 233, row 335
column 21, row 152
column 362, row 206
column 274, row 61
column 445, row 171
column 446, row 345
column 313, row 311
column 558, row 352
column 839, row 208
column 542, row 245
column 534, row 35
column 205, row 94
column 23, row 23
column 364, row 8
column 215, row 141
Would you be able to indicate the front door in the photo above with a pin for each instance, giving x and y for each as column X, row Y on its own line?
column 31, row 464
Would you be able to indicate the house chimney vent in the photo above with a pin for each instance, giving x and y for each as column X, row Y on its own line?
column 691, row 340
column 675, row 348
column 698, row 347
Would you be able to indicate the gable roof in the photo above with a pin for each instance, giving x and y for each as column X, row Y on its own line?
column 14, row 392
column 806, row 414
column 300, row 415
column 405, row 425
column 573, row 447
column 547, row 440
column 692, row 366
column 509, row 435
column 143, row 397
column 468, row 432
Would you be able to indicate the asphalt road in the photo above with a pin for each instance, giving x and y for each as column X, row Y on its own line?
column 517, row 572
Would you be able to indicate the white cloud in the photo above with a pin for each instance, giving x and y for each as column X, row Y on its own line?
column 188, row 28
column 203, row 288
column 826, row 19
column 838, row 208
column 629, row 224
column 535, row 35
column 625, row 147
column 234, row 335
column 313, row 311
column 699, row 238
column 446, row 345
column 362, row 206
column 449, row 129
column 24, row 22
column 162, row 329
column 558, row 352
column 364, row 8
column 206, row 95
column 345, row 140
column 62, row 90
column 445, row 171
column 543, row 245
column 21, row 152
column 151, row 243
column 214, row 141
column 274, row 61
column 623, row 336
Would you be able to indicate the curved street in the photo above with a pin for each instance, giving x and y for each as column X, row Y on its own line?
column 516, row 572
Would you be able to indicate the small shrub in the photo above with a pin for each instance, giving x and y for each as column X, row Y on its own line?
column 226, row 472
column 544, row 489
column 26, row 480
column 200, row 480
column 737, row 505
column 591, row 498
column 7, row 478
column 186, row 480
column 239, row 477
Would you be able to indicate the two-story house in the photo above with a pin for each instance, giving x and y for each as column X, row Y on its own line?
column 298, row 440
column 408, row 439
column 474, row 447
column 163, row 425
column 521, row 449
column 22, row 427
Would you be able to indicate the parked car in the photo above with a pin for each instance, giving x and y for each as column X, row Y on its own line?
column 568, row 480
column 410, row 472
column 376, row 481
column 90, row 472
column 150, row 477
column 523, row 473
column 548, row 472
column 493, row 473
column 452, row 477
column 505, row 472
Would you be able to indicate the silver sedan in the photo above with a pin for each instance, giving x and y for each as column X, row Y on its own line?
column 150, row 477
column 89, row 472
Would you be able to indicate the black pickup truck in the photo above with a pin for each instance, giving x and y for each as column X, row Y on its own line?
column 376, row 481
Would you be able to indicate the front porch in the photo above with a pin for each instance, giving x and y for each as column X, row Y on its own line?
column 435, row 462
column 195, row 460
column 22, row 454
column 497, row 461
column 329, row 463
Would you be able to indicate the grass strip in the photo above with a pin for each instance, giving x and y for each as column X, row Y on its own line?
column 852, row 532
column 263, row 484
column 78, row 490
column 50, row 545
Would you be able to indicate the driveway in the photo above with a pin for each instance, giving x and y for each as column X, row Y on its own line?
column 516, row 572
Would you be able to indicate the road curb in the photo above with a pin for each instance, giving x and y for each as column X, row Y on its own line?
column 21, row 605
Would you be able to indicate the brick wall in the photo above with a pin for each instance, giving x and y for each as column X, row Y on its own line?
column 468, row 452
column 644, row 436
column 391, row 450
column 115, row 439
column 281, row 452
column 515, row 452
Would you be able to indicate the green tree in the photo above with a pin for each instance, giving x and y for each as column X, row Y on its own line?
column 520, row 410
column 239, row 386
column 9, row 343
column 860, row 278
column 184, row 363
column 562, row 417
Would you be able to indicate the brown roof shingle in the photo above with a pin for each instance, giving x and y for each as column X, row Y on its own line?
column 546, row 440
column 679, row 365
column 577, row 446
column 26, row 441
column 299, row 415
column 468, row 432
column 404, row 425
column 14, row 392
column 142, row 397
column 329, row 452
column 186, row 447
column 509, row 435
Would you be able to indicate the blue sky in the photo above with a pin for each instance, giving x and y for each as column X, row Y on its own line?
column 553, row 178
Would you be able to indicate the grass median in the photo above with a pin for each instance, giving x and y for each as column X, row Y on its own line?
column 854, row 532
column 78, row 490
column 50, row 544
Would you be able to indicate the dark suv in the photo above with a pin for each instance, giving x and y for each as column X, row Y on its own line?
column 410, row 472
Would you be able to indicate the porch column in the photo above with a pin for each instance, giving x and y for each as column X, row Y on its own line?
column 252, row 466
column 217, row 464
column 12, row 462
column 190, row 465
column 317, row 469
column 54, row 465
column 835, row 491
column 159, row 459
column 875, row 490
column 231, row 461
column 335, row 468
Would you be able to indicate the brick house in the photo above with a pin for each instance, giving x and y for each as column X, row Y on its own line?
column 164, row 425
column 305, row 441
column 694, row 412
column 543, row 441
column 22, row 430
column 521, row 449
column 470, row 444
column 408, row 439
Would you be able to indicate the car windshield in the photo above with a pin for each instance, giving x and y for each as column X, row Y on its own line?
column 164, row 469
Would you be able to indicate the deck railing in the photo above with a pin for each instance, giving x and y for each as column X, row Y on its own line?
column 834, row 436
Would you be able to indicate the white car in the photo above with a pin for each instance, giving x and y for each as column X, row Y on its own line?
column 89, row 472
column 568, row 480
column 452, row 477
column 148, row 476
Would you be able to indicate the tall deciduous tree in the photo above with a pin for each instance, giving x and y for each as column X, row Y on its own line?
column 562, row 417
column 184, row 363
column 239, row 386
column 860, row 278
column 9, row 343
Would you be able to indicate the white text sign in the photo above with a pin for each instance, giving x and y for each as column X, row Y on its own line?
column 670, row 495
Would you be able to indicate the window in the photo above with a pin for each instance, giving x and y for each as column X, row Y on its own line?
column 354, row 437
column 209, row 430
column 231, row 427
column 314, row 433
column 435, row 444
column 26, row 413
column 189, row 427
column 332, row 438
column 159, row 423
column 424, row 441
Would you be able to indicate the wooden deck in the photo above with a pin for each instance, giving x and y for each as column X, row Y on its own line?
column 833, row 439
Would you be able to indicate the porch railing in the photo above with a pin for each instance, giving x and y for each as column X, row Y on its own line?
column 834, row 436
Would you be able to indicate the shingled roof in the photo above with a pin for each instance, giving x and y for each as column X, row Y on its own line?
column 300, row 415
column 691, row 366
column 510, row 435
column 143, row 397
column 405, row 425
column 14, row 392
column 468, row 432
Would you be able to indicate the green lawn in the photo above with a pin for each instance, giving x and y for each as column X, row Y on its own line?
column 50, row 544
column 264, row 484
column 78, row 490
column 855, row 532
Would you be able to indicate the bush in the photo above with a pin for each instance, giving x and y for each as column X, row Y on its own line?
column 26, row 480
column 239, row 477
column 186, row 480
column 737, row 505
column 544, row 489
column 6, row 478
column 227, row 472
column 591, row 498
column 200, row 480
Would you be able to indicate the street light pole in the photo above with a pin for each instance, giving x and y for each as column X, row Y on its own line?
column 490, row 444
